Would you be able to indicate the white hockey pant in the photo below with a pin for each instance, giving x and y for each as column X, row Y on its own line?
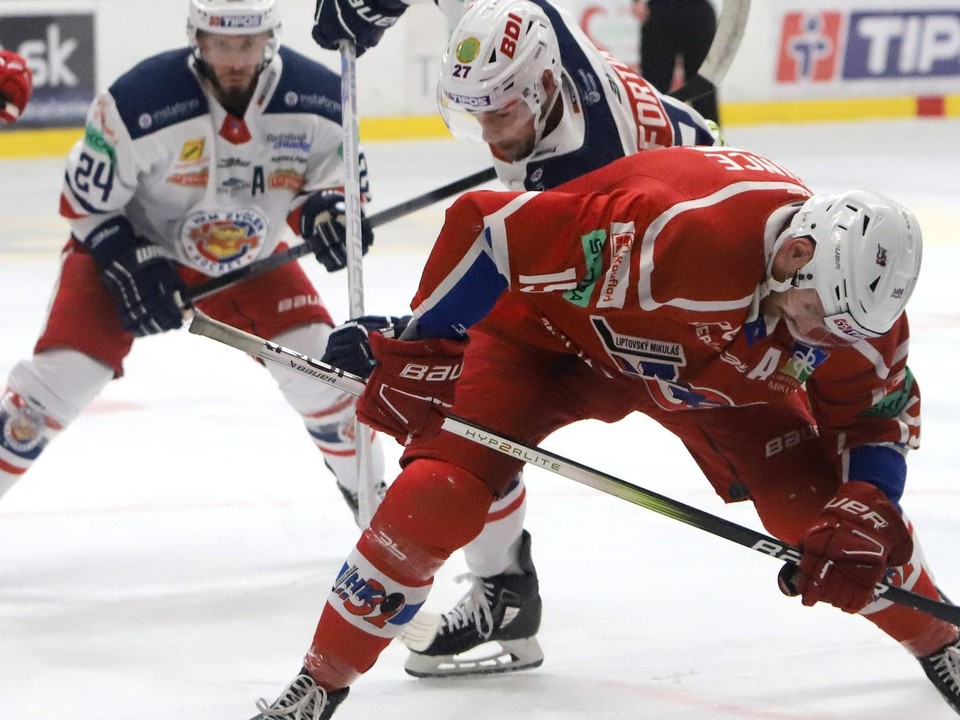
column 494, row 551
column 327, row 412
column 44, row 394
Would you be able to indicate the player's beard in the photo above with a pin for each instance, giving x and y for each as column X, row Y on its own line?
column 234, row 98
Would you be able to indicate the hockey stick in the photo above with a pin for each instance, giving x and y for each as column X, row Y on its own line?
column 366, row 502
column 215, row 285
column 726, row 42
column 570, row 469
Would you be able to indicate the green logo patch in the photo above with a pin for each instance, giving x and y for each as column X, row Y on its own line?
column 890, row 406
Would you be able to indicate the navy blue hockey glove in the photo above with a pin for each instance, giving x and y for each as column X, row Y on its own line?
column 363, row 21
column 140, row 278
column 323, row 227
column 349, row 345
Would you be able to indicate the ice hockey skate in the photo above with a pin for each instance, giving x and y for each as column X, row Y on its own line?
column 491, row 630
column 353, row 499
column 303, row 699
column 943, row 669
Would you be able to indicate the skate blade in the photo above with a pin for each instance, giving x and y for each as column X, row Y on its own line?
column 501, row 656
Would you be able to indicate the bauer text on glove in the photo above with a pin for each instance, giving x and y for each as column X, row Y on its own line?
column 412, row 387
column 361, row 21
column 859, row 535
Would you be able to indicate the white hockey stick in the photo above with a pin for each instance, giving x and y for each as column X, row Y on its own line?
column 277, row 354
column 366, row 499
column 726, row 42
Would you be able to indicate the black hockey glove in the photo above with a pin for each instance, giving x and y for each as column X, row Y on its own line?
column 141, row 279
column 323, row 227
column 349, row 345
column 363, row 21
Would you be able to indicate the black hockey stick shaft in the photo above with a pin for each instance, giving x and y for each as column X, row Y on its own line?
column 570, row 469
column 215, row 285
column 726, row 42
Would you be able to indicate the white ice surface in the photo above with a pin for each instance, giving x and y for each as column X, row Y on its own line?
column 169, row 555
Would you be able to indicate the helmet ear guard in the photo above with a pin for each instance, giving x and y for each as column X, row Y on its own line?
column 866, row 260
column 234, row 17
column 496, row 56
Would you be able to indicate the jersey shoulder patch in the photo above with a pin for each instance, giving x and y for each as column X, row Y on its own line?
column 306, row 86
column 159, row 92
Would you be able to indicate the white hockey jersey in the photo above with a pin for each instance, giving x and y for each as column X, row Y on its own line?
column 609, row 112
column 213, row 191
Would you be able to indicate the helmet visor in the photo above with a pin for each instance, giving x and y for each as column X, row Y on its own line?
column 473, row 118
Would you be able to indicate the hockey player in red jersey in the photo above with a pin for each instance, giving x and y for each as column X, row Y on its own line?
column 797, row 327
column 522, row 77
column 16, row 85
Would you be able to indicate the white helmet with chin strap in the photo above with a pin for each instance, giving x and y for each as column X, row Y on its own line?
column 496, row 56
column 866, row 261
column 234, row 17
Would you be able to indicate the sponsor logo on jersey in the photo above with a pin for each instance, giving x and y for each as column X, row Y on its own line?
column 289, row 141
column 286, row 179
column 221, row 240
column 233, row 187
column 894, row 403
column 826, row 46
column 468, row 49
column 298, row 159
column 168, row 115
column 613, row 292
column 232, row 162
column 190, row 179
column 192, row 150
column 236, row 21
column 645, row 357
column 803, row 360
column 95, row 140
column 589, row 87
column 593, row 244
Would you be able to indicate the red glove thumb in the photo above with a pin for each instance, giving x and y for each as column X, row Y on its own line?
column 412, row 386
column 16, row 85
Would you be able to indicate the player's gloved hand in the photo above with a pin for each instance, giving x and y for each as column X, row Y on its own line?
column 412, row 386
column 323, row 226
column 859, row 535
column 349, row 345
column 142, row 281
column 362, row 21
column 16, row 85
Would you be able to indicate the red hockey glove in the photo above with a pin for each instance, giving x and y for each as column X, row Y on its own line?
column 16, row 84
column 412, row 386
column 858, row 537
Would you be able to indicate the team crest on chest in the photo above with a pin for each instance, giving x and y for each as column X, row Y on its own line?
column 218, row 241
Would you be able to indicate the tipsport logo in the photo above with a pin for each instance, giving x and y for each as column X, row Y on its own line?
column 826, row 46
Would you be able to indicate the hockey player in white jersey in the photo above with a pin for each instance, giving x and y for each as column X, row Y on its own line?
column 520, row 76
column 191, row 165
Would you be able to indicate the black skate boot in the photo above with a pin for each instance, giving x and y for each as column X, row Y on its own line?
column 502, row 609
column 353, row 499
column 302, row 700
column 943, row 669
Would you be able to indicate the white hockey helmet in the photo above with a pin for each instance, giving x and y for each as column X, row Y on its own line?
column 235, row 17
column 496, row 56
column 866, row 261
